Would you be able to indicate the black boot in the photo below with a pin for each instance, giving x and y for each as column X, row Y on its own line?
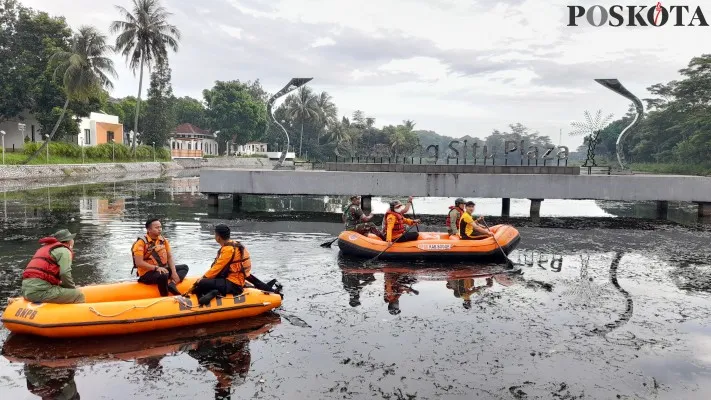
column 207, row 297
column 173, row 289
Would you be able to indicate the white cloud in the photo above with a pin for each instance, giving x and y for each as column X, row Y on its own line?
column 324, row 41
column 456, row 67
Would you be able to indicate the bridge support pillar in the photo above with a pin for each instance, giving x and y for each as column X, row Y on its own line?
column 505, row 207
column 704, row 209
column 365, row 204
column 662, row 209
column 535, row 208
column 212, row 200
column 236, row 202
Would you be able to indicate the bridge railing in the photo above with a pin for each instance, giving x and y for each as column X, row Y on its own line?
column 504, row 161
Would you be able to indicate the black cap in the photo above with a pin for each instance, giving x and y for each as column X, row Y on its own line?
column 459, row 201
column 470, row 203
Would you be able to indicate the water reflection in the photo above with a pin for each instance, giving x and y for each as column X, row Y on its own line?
column 221, row 348
column 401, row 278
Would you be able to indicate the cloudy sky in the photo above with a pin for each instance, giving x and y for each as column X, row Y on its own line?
column 453, row 66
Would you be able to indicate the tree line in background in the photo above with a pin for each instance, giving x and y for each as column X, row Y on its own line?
column 677, row 126
column 61, row 76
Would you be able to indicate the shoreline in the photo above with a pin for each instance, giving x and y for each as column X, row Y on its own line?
column 18, row 175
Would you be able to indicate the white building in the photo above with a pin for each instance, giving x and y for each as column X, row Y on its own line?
column 251, row 148
column 189, row 141
column 258, row 148
column 99, row 128
column 17, row 129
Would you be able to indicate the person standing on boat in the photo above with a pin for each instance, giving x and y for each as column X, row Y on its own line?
column 48, row 276
column 469, row 228
column 228, row 273
column 395, row 225
column 153, row 260
column 455, row 214
column 356, row 220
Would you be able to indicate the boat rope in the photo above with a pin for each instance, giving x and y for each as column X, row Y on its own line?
column 92, row 309
column 175, row 299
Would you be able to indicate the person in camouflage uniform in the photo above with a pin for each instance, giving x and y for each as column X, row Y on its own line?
column 355, row 219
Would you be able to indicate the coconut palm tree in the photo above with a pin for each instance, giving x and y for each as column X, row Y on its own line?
column 84, row 70
column 409, row 124
column 328, row 112
column 304, row 107
column 144, row 38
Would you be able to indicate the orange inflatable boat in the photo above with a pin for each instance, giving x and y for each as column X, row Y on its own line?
column 130, row 307
column 432, row 245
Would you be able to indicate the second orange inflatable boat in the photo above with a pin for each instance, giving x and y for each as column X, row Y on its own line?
column 432, row 245
column 130, row 307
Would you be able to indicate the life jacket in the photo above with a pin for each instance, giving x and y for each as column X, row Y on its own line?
column 155, row 252
column 399, row 227
column 449, row 218
column 241, row 266
column 43, row 265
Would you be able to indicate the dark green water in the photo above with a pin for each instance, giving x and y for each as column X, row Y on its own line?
column 610, row 302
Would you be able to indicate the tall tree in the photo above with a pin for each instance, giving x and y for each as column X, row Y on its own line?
column 327, row 110
column 303, row 107
column 233, row 112
column 84, row 71
column 189, row 110
column 160, row 117
column 144, row 38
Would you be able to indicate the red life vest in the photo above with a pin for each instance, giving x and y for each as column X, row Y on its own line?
column 399, row 227
column 42, row 265
column 449, row 218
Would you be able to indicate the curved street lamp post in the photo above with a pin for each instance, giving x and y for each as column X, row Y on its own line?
column 293, row 84
column 616, row 86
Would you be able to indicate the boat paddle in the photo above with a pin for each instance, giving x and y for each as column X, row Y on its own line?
column 389, row 246
column 509, row 263
column 328, row 244
column 414, row 216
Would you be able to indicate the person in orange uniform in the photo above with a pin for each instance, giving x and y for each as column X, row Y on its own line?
column 153, row 260
column 230, row 270
column 395, row 225
column 469, row 229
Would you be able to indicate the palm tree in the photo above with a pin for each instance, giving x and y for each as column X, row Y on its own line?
column 591, row 128
column 84, row 71
column 328, row 112
column 409, row 124
column 144, row 38
column 304, row 107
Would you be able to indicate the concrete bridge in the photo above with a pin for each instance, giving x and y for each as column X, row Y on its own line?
column 536, row 187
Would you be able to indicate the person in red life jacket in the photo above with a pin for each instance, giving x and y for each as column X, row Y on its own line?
column 153, row 260
column 402, row 209
column 455, row 213
column 230, row 270
column 469, row 228
column 48, row 276
column 395, row 225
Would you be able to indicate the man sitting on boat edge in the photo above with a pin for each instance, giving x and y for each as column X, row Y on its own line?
column 153, row 260
column 355, row 219
column 228, row 273
column 469, row 229
column 48, row 276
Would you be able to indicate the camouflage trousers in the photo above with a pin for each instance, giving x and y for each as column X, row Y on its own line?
column 364, row 228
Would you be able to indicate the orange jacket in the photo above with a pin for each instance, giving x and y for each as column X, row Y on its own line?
column 232, row 263
column 395, row 225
